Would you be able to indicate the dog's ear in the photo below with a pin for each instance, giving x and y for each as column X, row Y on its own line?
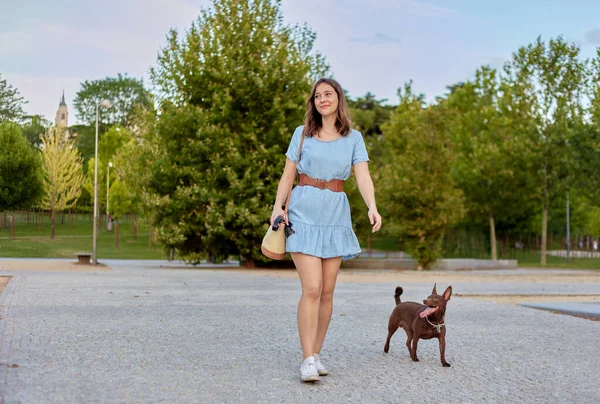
column 434, row 292
column 448, row 293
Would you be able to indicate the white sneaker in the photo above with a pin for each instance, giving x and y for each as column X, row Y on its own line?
column 320, row 368
column 308, row 370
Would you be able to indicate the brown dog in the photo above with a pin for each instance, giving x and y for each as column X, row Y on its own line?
column 424, row 321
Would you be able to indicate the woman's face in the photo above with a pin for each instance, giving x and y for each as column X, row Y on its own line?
column 326, row 99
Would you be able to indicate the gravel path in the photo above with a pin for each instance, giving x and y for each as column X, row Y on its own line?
column 141, row 334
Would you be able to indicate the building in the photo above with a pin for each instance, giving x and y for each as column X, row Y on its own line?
column 62, row 115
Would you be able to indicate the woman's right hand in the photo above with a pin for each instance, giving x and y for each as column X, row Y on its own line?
column 279, row 212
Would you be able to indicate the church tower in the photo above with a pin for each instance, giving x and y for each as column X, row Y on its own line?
column 62, row 115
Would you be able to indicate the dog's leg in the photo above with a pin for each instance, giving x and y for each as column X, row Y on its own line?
column 409, row 336
column 413, row 352
column 442, row 340
column 392, row 328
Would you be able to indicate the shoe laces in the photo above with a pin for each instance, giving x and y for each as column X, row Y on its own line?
column 310, row 365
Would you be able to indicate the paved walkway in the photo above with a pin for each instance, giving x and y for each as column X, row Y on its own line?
column 139, row 333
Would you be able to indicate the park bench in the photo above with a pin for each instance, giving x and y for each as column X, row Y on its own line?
column 83, row 258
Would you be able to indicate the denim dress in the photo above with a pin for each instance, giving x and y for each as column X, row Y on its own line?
column 320, row 217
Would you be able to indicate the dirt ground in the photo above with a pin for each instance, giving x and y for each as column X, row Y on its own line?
column 47, row 265
column 379, row 276
column 564, row 276
column 3, row 281
column 403, row 277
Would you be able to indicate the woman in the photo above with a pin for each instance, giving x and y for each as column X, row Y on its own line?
column 319, row 211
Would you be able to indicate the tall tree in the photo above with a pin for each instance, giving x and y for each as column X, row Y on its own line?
column 586, row 140
column 551, row 76
column 63, row 172
column 85, row 139
column 131, row 172
column 489, row 168
column 422, row 202
column 11, row 103
column 369, row 114
column 108, row 147
column 121, row 203
column 33, row 127
column 125, row 94
column 20, row 172
column 233, row 89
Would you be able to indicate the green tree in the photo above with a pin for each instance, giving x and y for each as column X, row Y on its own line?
column 85, row 140
column 120, row 203
column 11, row 103
column 593, row 89
column 20, row 172
column 421, row 200
column 34, row 126
column 108, row 148
column 131, row 173
column 489, row 167
column 586, row 139
column 125, row 94
column 369, row 114
column 552, row 78
column 63, row 173
column 233, row 89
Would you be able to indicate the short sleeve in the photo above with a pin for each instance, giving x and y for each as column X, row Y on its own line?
column 292, row 151
column 360, row 150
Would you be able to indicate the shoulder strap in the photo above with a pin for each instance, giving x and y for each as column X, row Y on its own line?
column 297, row 161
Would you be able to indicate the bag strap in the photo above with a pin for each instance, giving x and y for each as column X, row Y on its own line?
column 297, row 175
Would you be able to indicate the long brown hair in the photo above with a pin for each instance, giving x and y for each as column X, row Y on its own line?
column 313, row 121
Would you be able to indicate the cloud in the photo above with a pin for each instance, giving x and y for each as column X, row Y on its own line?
column 377, row 38
column 593, row 37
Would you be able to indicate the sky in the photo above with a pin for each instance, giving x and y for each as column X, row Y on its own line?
column 371, row 45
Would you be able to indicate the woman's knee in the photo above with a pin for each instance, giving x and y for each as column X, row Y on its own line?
column 312, row 292
column 327, row 296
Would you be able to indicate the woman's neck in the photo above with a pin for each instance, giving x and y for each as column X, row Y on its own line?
column 329, row 124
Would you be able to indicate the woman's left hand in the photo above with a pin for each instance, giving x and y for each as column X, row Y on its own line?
column 375, row 219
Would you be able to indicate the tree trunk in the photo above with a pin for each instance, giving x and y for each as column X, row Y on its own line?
column 52, row 226
column 12, row 225
column 135, row 227
column 117, row 233
column 493, row 238
column 544, row 233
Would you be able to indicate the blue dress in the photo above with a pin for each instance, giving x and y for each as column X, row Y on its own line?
column 321, row 217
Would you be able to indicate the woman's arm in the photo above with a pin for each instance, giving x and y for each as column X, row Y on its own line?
column 367, row 191
column 285, row 184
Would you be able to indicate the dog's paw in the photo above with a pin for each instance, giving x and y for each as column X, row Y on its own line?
column 446, row 365
column 415, row 360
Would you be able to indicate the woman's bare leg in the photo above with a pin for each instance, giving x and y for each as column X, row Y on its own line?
column 311, row 277
column 331, row 268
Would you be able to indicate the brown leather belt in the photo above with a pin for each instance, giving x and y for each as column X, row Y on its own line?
column 332, row 185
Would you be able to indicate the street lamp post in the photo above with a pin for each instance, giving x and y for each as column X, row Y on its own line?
column 105, row 104
column 108, row 221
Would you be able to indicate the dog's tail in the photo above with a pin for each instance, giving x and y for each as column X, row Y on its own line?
column 399, row 291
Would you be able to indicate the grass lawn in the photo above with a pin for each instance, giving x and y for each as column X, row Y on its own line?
column 560, row 262
column 33, row 240
column 526, row 259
